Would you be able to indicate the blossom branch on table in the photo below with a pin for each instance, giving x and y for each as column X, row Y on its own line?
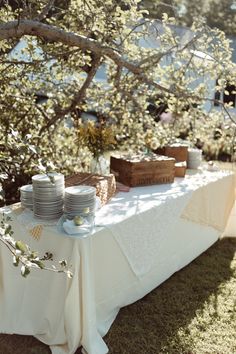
column 24, row 256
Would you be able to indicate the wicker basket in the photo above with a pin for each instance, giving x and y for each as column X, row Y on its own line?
column 105, row 185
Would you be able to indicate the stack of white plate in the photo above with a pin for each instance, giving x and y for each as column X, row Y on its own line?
column 194, row 158
column 79, row 200
column 48, row 192
column 26, row 196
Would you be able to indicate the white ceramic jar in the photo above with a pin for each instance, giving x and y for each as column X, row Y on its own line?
column 194, row 158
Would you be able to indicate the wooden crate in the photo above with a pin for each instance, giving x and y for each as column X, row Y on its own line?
column 179, row 153
column 140, row 170
column 105, row 185
column 180, row 171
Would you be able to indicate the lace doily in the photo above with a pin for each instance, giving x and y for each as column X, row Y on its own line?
column 32, row 225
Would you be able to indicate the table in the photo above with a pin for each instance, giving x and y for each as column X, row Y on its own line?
column 142, row 237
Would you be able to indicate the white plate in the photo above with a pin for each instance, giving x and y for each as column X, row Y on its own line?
column 79, row 205
column 49, row 201
column 27, row 199
column 28, row 188
column 27, row 205
column 47, row 211
column 45, row 189
column 42, row 178
column 79, row 200
column 48, row 217
column 80, row 190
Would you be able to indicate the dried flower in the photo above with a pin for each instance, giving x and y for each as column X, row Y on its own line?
column 98, row 138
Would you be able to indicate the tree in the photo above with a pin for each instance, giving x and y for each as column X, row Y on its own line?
column 66, row 44
column 219, row 14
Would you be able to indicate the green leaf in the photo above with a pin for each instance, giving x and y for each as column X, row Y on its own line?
column 20, row 245
column 39, row 263
column 33, row 255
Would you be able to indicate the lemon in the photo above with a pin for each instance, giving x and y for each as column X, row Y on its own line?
column 78, row 220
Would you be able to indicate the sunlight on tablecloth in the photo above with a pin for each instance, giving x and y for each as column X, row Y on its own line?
column 161, row 206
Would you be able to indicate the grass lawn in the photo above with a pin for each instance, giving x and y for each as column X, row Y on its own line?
column 193, row 312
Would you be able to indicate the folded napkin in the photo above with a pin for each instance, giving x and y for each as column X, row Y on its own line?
column 72, row 229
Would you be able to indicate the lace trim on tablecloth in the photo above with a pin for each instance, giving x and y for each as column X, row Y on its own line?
column 34, row 226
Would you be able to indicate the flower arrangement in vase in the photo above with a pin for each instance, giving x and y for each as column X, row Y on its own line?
column 98, row 138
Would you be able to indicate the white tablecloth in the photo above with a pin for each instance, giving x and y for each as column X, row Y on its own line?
column 142, row 238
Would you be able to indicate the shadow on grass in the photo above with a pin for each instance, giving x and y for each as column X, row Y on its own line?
column 150, row 325
column 19, row 344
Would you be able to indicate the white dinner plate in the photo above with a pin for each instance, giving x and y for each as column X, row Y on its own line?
column 80, row 190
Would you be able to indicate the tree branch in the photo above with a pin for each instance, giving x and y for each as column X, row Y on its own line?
column 23, row 255
column 21, row 62
column 78, row 97
column 13, row 29
column 155, row 58
column 45, row 11
column 222, row 104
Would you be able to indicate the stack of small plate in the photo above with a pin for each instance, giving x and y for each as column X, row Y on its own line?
column 194, row 158
column 26, row 196
column 79, row 200
column 48, row 191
